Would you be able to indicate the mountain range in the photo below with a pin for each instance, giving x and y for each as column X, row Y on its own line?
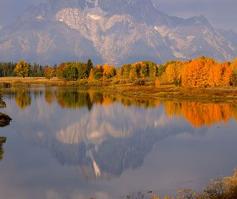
column 110, row 31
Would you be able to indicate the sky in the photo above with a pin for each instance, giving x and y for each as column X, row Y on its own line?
column 221, row 13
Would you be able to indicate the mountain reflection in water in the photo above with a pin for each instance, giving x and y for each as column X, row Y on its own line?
column 105, row 136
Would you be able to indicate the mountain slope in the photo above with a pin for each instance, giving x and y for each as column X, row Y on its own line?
column 112, row 31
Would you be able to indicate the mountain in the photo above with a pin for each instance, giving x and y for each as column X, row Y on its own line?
column 112, row 31
column 231, row 36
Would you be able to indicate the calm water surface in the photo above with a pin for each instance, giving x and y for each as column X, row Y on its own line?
column 67, row 144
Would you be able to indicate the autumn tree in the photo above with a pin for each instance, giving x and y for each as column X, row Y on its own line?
column 118, row 73
column 96, row 73
column 49, row 72
column 125, row 71
column 173, row 72
column 233, row 66
column 145, row 70
column 196, row 72
column 206, row 72
column 226, row 74
column 108, row 71
column 135, row 71
column 170, row 73
column 60, row 70
column 161, row 69
column 92, row 75
column 22, row 69
column 153, row 67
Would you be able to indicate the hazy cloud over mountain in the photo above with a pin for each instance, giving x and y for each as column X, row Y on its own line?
column 221, row 13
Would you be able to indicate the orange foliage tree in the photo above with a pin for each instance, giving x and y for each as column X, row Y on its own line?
column 206, row 72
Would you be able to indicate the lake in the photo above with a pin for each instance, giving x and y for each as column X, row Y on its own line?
column 64, row 143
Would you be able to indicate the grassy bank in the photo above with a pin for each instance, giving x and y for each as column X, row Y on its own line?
column 136, row 89
column 223, row 188
column 8, row 81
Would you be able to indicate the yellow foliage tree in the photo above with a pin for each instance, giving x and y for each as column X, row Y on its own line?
column 22, row 69
column 108, row 71
column 171, row 72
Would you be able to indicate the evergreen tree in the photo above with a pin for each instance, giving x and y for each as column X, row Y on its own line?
column 89, row 66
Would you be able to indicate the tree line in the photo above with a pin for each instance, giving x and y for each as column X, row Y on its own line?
column 200, row 72
column 22, row 68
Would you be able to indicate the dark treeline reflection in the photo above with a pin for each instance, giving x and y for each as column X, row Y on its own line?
column 197, row 113
column 4, row 121
column 2, row 141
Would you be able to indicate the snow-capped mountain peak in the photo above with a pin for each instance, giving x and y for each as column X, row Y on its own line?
column 112, row 31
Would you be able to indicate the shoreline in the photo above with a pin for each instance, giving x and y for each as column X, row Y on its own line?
column 130, row 89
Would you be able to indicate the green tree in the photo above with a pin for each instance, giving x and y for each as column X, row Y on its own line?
column 82, row 70
column 7, row 69
column 22, row 69
column 71, row 73
column 36, row 70
column 68, row 71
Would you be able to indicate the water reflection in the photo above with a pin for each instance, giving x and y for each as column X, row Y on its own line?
column 202, row 114
column 197, row 113
column 96, row 142
column 2, row 141
column 4, row 121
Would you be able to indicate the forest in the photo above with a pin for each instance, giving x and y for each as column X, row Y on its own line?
column 201, row 72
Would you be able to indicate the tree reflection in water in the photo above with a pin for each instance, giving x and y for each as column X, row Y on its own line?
column 2, row 141
column 4, row 121
column 197, row 113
